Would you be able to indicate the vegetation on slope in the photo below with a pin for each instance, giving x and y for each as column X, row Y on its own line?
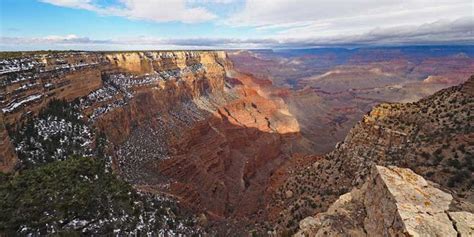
column 80, row 195
column 61, row 188
column 55, row 134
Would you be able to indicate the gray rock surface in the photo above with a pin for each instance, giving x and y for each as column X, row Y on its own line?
column 393, row 201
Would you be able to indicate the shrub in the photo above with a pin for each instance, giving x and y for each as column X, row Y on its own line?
column 454, row 163
column 460, row 176
column 425, row 155
column 437, row 159
column 60, row 192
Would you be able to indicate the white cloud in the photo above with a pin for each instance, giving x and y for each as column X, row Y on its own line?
column 50, row 40
column 151, row 10
column 296, row 23
column 331, row 18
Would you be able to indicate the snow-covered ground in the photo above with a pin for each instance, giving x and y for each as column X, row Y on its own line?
column 15, row 105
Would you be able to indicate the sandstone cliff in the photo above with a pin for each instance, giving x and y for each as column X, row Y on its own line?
column 27, row 91
column 160, row 81
column 392, row 202
column 225, row 161
column 185, row 124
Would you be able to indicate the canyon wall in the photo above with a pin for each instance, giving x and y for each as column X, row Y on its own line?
column 27, row 84
column 28, row 92
column 159, row 80
column 223, row 164
column 216, row 136
column 186, row 125
column 188, row 76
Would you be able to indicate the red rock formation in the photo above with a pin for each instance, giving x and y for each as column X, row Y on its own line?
column 219, row 138
column 226, row 162
column 430, row 136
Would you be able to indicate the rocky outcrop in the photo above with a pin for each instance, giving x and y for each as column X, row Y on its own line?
column 151, row 62
column 392, row 202
column 29, row 83
column 431, row 137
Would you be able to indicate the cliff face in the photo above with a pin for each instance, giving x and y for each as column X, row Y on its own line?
column 223, row 163
column 185, row 76
column 29, row 83
column 392, row 202
column 185, row 124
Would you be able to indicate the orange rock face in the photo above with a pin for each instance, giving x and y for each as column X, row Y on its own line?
column 158, row 98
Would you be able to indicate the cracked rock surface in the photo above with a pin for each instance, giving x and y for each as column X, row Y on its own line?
column 392, row 202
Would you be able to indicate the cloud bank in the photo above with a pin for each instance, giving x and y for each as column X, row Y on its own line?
column 459, row 31
column 281, row 23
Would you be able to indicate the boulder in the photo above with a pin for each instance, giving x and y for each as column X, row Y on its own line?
column 392, row 202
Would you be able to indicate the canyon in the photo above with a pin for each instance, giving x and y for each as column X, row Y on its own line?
column 221, row 134
column 182, row 124
column 329, row 90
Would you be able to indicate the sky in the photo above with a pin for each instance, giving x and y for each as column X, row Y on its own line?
column 231, row 24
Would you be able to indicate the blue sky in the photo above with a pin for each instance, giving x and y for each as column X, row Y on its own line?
column 171, row 24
